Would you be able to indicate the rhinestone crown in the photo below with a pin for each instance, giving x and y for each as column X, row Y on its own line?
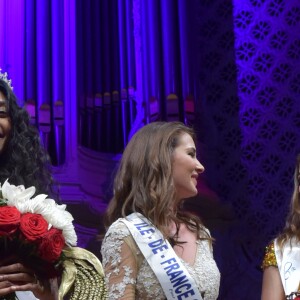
column 3, row 76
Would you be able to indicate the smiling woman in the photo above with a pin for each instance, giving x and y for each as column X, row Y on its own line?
column 5, row 126
column 33, row 264
column 22, row 157
column 185, row 170
column 23, row 161
column 152, row 246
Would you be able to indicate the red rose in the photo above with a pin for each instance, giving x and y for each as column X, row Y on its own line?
column 33, row 226
column 51, row 245
column 9, row 220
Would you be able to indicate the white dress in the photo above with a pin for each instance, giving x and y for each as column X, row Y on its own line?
column 26, row 295
column 129, row 276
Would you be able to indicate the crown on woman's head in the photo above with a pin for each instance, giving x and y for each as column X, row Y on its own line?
column 3, row 76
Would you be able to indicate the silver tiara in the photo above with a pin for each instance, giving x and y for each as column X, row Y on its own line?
column 3, row 76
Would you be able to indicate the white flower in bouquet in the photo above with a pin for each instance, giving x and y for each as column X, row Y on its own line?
column 16, row 194
column 55, row 214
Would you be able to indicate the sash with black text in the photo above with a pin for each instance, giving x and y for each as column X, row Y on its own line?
column 288, row 262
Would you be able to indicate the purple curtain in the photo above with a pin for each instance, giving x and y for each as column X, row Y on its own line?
column 32, row 52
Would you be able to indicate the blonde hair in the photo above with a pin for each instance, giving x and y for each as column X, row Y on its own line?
column 292, row 226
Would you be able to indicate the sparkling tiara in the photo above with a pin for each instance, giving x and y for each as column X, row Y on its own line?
column 3, row 76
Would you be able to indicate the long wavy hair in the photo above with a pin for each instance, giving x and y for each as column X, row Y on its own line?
column 144, row 182
column 292, row 226
column 24, row 160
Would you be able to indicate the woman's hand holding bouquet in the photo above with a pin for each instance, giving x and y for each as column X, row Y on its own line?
column 33, row 234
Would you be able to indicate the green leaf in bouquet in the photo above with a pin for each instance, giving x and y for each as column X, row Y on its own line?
column 11, row 296
column 3, row 202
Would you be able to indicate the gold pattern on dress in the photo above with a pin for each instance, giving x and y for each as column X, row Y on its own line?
column 83, row 276
column 88, row 285
column 269, row 257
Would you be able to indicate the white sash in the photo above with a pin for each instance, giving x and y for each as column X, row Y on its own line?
column 288, row 261
column 175, row 280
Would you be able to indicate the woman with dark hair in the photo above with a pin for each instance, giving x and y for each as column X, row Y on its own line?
column 153, row 249
column 23, row 161
column 281, row 264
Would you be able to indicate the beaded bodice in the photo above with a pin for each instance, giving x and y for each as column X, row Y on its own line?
column 269, row 257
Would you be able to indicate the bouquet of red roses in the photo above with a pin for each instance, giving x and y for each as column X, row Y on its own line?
column 35, row 230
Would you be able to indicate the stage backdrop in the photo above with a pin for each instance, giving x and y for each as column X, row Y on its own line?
column 91, row 73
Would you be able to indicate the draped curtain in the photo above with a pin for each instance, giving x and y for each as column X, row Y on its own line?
column 33, row 35
column 106, row 74
column 133, row 62
column 136, row 64
column 168, row 57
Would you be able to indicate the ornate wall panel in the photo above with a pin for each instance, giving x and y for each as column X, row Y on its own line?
column 250, row 77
